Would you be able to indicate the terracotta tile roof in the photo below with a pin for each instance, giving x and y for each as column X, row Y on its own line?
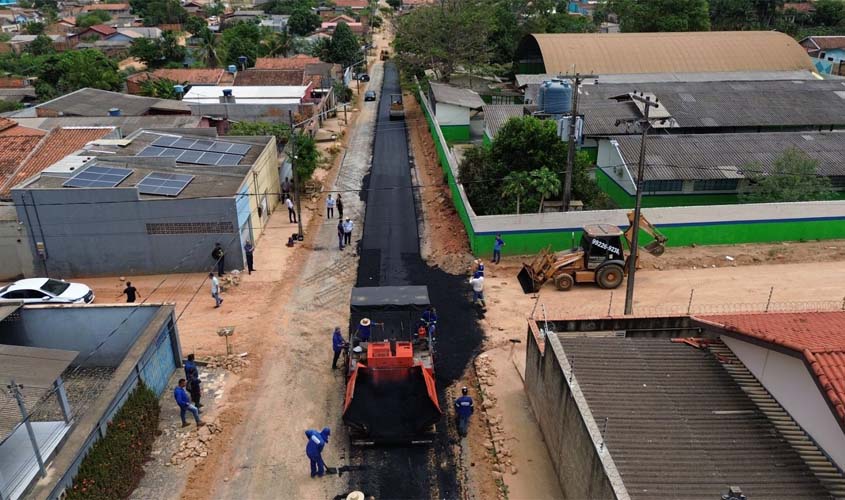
column 798, row 7
column 298, row 61
column 206, row 76
column 7, row 82
column 352, row 4
column 269, row 77
column 14, row 149
column 102, row 29
column 58, row 144
column 111, row 7
column 818, row 336
column 827, row 42
column 6, row 123
column 21, row 130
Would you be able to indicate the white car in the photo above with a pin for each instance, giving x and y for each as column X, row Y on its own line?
column 46, row 291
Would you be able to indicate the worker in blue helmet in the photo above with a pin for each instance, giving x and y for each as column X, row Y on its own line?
column 314, row 449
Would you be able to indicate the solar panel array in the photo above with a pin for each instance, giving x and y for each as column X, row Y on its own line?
column 196, row 151
column 164, row 184
column 98, row 176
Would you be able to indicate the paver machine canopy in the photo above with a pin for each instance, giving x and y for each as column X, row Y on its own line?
column 390, row 393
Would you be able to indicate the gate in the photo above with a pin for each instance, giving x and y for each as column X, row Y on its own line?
column 161, row 363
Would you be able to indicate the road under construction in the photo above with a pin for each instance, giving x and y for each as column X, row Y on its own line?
column 390, row 256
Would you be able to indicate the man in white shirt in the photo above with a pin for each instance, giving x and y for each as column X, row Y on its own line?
column 477, row 282
column 347, row 231
column 291, row 211
column 215, row 290
column 329, row 207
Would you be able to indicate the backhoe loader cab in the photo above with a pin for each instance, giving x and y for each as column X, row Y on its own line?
column 601, row 243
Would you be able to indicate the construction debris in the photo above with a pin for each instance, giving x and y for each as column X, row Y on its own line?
column 499, row 455
column 195, row 444
column 235, row 363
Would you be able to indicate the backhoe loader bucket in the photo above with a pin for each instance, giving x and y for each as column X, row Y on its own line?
column 526, row 280
column 655, row 248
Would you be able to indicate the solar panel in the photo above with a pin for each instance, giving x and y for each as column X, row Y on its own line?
column 221, row 147
column 230, row 160
column 171, row 153
column 151, row 151
column 190, row 156
column 238, row 149
column 202, row 145
column 164, row 184
column 165, row 140
column 184, row 144
column 210, row 158
column 98, row 176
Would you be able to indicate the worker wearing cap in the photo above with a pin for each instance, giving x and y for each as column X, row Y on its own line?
column 479, row 266
column 429, row 319
column 463, row 409
column 363, row 333
column 477, row 283
column 314, row 450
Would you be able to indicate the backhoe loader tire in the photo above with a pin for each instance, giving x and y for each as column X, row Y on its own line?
column 564, row 282
column 609, row 276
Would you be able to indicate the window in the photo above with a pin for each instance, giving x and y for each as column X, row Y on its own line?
column 34, row 294
column 55, row 287
column 716, row 185
column 654, row 186
column 189, row 227
column 15, row 294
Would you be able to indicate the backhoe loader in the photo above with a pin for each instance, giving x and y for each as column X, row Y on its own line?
column 599, row 258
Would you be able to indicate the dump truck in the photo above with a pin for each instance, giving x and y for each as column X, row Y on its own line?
column 391, row 397
column 598, row 259
column 397, row 109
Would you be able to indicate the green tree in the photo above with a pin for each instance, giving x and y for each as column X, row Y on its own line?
column 829, row 12
column 395, row 4
column 307, row 156
column 286, row 7
column 321, row 48
column 214, row 9
column 662, row 15
column 277, row 44
column 207, row 48
column 163, row 88
column 87, row 68
column 242, row 39
column 281, row 131
column 42, row 45
column 733, row 15
column 516, row 185
column 34, row 28
column 157, row 53
column 345, row 49
column 91, row 18
column 155, row 12
column 794, row 177
column 195, row 25
column 303, row 21
column 546, row 183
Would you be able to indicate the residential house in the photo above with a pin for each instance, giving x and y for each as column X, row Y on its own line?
column 243, row 16
column 610, row 407
column 269, row 103
column 126, row 125
column 19, row 90
column 276, row 23
column 195, row 7
column 12, row 127
column 358, row 28
column 19, row 43
column 173, row 194
column 299, row 61
column 341, row 7
column 96, row 32
column 264, row 77
column 131, row 34
column 112, row 9
column 66, row 25
column 189, row 76
column 827, row 53
column 409, row 5
column 795, row 11
column 81, row 362
column 96, row 102
column 456, row 111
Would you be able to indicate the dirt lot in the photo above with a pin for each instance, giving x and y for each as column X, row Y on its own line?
column 747, row 255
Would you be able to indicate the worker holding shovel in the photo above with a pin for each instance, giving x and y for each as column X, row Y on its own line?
column 314, row 450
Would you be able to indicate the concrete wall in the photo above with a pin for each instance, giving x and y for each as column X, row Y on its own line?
column 15, row 255
column 104, row 232
column 263, row 183
column 79, row 328
column 787, row 379
column 579, row 464
column 277, row 113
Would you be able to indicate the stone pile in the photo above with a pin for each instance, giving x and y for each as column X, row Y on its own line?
column 499, row 455
column 195, row 444
column 235, row 363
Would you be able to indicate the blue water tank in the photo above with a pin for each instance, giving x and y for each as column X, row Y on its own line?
column 114, row 112
column 227, row 92
column 540, row 94
column 557, row 97
column 179, row 89
column 233, row 69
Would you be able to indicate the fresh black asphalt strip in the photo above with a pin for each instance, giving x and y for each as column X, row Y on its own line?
column 390, row 255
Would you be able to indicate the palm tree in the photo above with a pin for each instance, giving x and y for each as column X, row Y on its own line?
column 208, row 48
column 546, row 183
column 516, row 184
column 277, row 44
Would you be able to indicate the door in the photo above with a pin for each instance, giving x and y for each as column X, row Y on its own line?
column 160, row 365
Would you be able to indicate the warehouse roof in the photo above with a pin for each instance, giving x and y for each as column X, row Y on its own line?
column 96, row 102
column 816, row 336
column 620, row 53
column 496, row 115
column 453, row 95
column 678, row 426
column 724, row 76
column 126, row 124
column 701, row 106
column 723, row 156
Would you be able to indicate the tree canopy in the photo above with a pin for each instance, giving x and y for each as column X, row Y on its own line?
column 662, row 15
column 281, row 131
column 345, row 49
column 159, row 52
column 303, row 21
column 155, row 12
column 242, row 39
column 794, row 177
column 91, row 18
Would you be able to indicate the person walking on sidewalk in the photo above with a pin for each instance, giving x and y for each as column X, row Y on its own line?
column 497, row 249
column 314, row 450
column 130, row 292
column 215, row 290
column 347, row 231
column 463, row 410
column 339, row 203
column 337, row 345
column 185, row 405
column 477, row 282
column 340, row 234
column 249, row 249
column 330, row 202
column 219, row 256
column 291, row 211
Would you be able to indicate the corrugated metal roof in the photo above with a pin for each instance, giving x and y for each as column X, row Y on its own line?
column 722, row 156
column 724, row 76
column 457, row 96
column 678, row 426
column 496, row 115
column 793, row 103
column 625, row 53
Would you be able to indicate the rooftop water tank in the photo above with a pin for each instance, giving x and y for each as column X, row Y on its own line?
column 179, row 89
column 557, row 97
column 233, row 69
column 114, row 112
column 540, row 92
column 227, row 92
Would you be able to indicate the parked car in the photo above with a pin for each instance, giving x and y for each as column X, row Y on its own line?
column 370, row 95
column 364, row 77
column 46, row 291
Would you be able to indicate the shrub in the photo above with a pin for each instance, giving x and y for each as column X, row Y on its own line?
column 114, row 466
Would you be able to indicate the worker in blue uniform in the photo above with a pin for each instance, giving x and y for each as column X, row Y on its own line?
column 463, row 409
column 314, row 449
column 429, row 319
column 338, row 344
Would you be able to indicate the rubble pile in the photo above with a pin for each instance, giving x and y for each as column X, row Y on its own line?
column 499, row 455
column 235, row 363
column 195, row 444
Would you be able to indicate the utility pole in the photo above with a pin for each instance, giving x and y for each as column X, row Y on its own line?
column 645, row 124
column 296, row 186
column 570, row 155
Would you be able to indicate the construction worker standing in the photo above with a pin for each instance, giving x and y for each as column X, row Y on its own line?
column 477, row 282
column 337, row 345
column 429, row 319
column 314, row 449
column 463, row 409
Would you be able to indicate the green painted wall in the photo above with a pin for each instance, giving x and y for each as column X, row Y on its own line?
column 485, row 141
column 625, row 200
column 455, row 133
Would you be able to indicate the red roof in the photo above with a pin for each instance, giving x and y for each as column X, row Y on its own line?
column 818, row 336
column 352, row 4
column 58, row 144
column 102, row 29
column 14, row 149
column 202, row 76
column 298, row 61
column 111, row 7
column 8, row 82
column 799, row 7
column 261, row 77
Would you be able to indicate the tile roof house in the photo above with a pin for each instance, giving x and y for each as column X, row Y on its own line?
column 14, row 150
column 800, row 359
column 11, row 127
column 261, row 77
column 52, row 148
column 98, row 31
column 299, row 61
column 95, row 102
column 200, row 76
column 357, row 28
column 113, row 9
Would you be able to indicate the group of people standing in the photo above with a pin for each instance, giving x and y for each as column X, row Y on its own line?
column 192, row 385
